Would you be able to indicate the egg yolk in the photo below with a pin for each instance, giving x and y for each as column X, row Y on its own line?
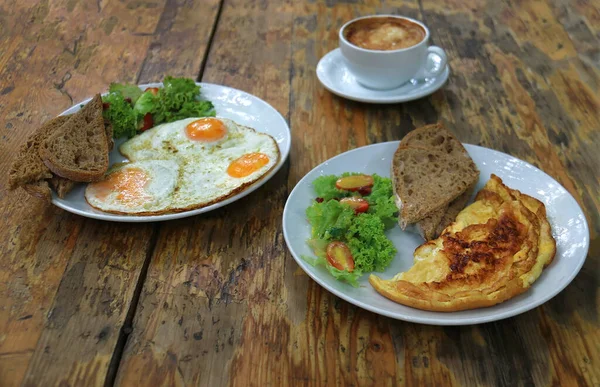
column 129, row 185
column 247, row 164
column 206, row 130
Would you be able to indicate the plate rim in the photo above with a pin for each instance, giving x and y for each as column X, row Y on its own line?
column 431, row 320
column 284, row 153
column 445, row 75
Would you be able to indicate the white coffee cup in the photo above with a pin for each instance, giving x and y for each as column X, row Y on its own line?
column 388, row 69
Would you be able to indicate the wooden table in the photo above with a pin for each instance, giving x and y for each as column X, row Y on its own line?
column 217, row 299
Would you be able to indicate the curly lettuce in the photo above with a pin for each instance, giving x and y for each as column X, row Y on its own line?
column 120, row 113
column 131, row 92
column 126, row 105
column 363, row 233
column 178, row 100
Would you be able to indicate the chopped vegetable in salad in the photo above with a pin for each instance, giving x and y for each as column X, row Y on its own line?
column 131, row 110
column 349, row 218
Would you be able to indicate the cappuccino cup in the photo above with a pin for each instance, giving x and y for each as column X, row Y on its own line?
column 386, row 51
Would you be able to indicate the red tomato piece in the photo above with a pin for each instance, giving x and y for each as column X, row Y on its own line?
column 339, row 256
column 148, row 122
column 355, row 182
column 358, row 204
column 153, row 90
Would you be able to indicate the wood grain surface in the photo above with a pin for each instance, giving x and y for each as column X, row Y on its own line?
column 217, row 299
column 67, row 283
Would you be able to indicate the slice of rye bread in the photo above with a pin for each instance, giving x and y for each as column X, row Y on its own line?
column 456, row 206
column 40, row 189
column 426, row 180
column 61, row 186
column 28, row 167
column 437, row 137
column 79, row 149
column 109, row 134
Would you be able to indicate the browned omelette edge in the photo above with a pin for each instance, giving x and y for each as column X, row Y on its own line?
column 440, row 302
column 512, row 289
column 236, row 191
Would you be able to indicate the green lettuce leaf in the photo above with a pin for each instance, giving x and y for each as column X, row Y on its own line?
column 128, row 91
column 324, row 187
column 371, row 249
column 363, row 233
column 329, row 220
column 192, row 109
column 340, row 275
column 381, row 201
column 174, row 94
column 121, row 115
column 147, row 103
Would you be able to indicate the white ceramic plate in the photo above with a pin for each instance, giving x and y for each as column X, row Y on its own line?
column 337, row 78
column 569, row 228
column 237, row 105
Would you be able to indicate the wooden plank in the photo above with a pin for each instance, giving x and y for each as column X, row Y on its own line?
column 209, row 272
column 521, row 84
column 68, row 282
column 224, row 302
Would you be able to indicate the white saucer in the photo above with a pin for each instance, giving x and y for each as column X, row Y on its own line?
column 335, row 76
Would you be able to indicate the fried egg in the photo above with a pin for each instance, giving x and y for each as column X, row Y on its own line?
column 185, row 138
column 137, row 187
column 215, row 158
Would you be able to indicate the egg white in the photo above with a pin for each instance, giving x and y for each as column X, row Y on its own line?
column 202, row 177
column 205, row 179
column 158, row 192
column 170, row 140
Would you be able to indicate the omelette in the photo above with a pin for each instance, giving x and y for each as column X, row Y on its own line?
column 495, row 249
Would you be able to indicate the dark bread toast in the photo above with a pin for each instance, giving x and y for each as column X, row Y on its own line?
column 61, row 186
column 78, row 150
column 40, row 189
column 427, row 180
column 439, row 138
column 28, row 167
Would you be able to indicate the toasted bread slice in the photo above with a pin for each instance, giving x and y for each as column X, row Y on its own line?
column 79, row 149
column 456, row 206
column 427, row 180
column 427, row 227
column 40, row 189
column 439, row 138
column 109, row 134
column 435, row 137
column 432, row 226
column 61, row 186
column 28, row 167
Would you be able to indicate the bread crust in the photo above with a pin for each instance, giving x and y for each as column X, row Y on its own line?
column 406, row 218
column 39, row 189
column 436, row 138
column 21, row 169
column 51, row 159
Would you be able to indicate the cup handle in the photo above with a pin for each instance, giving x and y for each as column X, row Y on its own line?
column 439, row 63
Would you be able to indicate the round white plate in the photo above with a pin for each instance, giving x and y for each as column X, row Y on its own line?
column 335, row 77
column 569, row 228
column 237, row 105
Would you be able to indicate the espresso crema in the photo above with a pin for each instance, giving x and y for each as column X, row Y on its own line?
column 384, row 33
